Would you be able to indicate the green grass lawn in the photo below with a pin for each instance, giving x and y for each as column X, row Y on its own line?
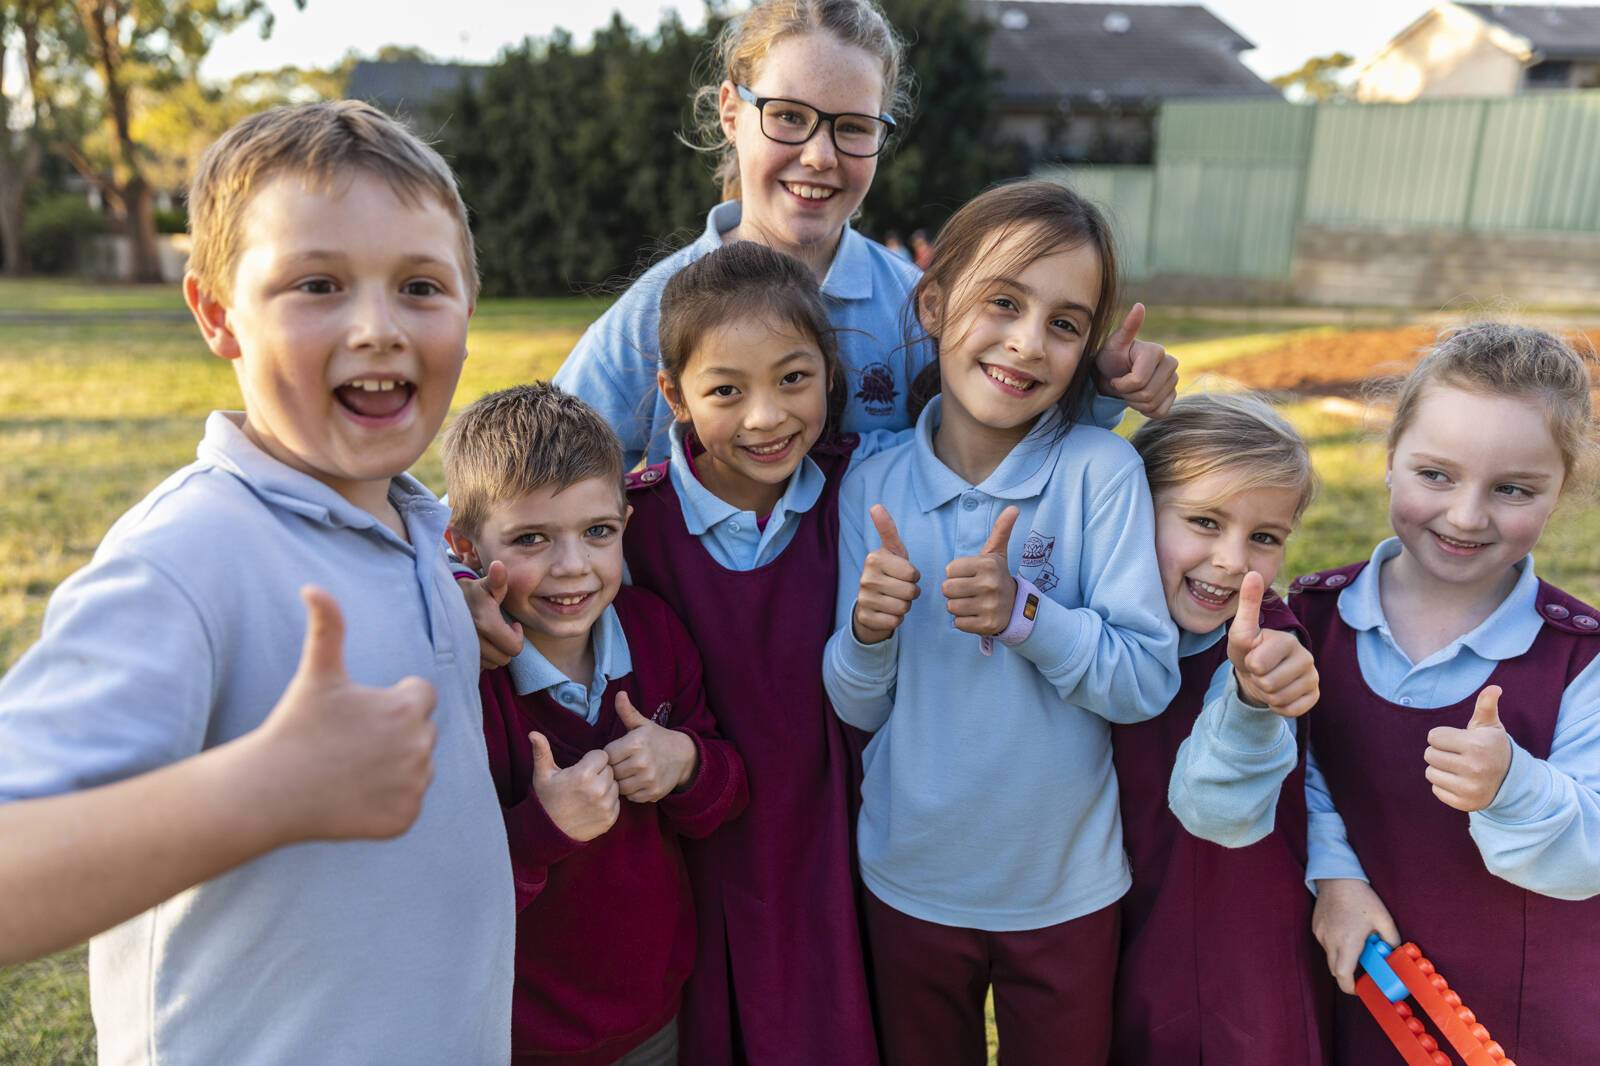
column 103, row 392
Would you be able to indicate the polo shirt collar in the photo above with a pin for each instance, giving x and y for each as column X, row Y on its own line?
column 1508, row 632
column 1195, row 643
column 1021, row 475
column 532, row 672
column 703, row 509
column 849, row 276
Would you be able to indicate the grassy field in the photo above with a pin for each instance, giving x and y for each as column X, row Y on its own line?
column 103, row 392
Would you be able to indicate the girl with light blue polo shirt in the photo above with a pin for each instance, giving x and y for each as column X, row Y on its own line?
column 999, row 607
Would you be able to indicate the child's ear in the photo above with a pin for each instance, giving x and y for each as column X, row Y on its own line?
column 929, row 303
column 627, row 513
column 728, row 104
column 212, row 318
column 673, row 395
column 462, row 545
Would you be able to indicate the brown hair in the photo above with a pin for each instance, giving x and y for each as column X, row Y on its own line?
column 324, row 142
column 1206, row 433
column 740, row 280
column 515, row 441
column 1049, row 217
column 1499, row 359
column 742, row 46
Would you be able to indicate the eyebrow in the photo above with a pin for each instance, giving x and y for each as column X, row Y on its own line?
column 1510, row 475
column 1013, row 283
column 324, row 254
column 737, row 372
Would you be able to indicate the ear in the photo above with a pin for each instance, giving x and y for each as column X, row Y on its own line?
column 627, row 515
column 462, row 545
column 929, row 305
column 212, row 318
column 674, row 397
column 728, row 104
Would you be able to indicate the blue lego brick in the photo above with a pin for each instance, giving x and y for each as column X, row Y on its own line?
column 1374, row 960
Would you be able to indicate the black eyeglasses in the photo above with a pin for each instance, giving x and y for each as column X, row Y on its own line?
column 793, row 122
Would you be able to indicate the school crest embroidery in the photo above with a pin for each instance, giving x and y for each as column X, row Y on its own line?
column 877, row 393
column 1036, row 557
column 662, row 713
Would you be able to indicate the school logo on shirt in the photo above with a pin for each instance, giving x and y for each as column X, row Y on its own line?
column 1036, row 556
column 662, row 713
column 877, row 393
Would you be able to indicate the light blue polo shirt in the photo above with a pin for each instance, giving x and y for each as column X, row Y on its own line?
column 989, row 800
column 180, row 636
column 1542, row 832
column 531, row 672
column 866, row 292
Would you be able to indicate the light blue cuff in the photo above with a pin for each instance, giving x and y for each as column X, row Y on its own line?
column 1057, row 639
column 1525, row 794
column 1245, row 729
column 1328, row 852
column 867, row 664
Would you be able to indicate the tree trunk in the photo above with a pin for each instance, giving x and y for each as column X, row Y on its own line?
column 141, row 219
column 11, row 245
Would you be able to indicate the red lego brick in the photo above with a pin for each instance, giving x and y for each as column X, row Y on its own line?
column 1404, row 1031
column 1434, row 995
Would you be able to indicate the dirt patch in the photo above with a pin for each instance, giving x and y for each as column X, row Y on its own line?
column 1346, row 364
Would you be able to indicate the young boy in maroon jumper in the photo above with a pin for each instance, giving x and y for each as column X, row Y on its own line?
column 602, row 748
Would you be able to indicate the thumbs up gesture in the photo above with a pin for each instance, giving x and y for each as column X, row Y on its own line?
column 354, row 761
column 1140, row 373
column 979, row 589
column 1466, row 766
column 1272, row 668
column 649, row 761
column 582, row 799
column 888, row 584
column 499, row 641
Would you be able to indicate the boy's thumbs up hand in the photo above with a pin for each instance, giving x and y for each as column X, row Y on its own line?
column 979, row 589
column 888, row 583
column 1139, row 373
column 582, row 799
column 1467, row 766
column 499, row 640
column 351, row 761
column 649, row 761
column 1272, row 669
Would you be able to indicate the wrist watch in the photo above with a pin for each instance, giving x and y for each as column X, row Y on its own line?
column 1024, row 610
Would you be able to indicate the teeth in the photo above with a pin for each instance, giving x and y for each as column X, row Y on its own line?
column 809, row 192
column 1209, row 589
column 1006, row 379
column 1459, row 543
column 567, row 601
column 373, row 384
column 768, row 449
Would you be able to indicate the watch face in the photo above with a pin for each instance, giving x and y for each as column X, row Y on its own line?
column 1030, row 607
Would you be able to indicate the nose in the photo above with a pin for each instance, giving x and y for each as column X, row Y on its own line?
column 374, row 325
column 571, row 557
column 1467, row 512
column 764, row 412
column 1025, row 340
column 818, row 153
column 1230, row 555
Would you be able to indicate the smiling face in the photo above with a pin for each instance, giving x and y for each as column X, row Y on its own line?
column 1019, row 337
column 347, row 326
column 798, row 197
column 1473, row 480
column 1209, row 535
column 756, row 392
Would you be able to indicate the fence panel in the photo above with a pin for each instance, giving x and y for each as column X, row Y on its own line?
column 1539, row 164
column 1125, row 194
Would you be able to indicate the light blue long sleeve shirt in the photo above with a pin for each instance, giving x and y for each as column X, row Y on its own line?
column 1542, row 831
column 1230, row 769
column 866, row 292
column 989, row 799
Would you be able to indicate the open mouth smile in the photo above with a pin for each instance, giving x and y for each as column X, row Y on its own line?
column 1212, row 597
column 376, row 401
column 570, row 604
column 773, row 452
column 809, row 192
column 1452, row 546
column 1011, row 381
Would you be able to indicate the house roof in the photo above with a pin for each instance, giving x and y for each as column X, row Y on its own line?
column 1553, row 32
column 407, row 87
column 1047, row 52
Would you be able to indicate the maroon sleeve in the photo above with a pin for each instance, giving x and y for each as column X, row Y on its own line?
column 719, row 790
column 535, row 841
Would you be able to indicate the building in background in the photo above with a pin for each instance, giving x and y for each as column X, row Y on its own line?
column 1485, row 50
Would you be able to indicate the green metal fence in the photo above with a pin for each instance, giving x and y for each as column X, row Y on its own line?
column 1233, row 181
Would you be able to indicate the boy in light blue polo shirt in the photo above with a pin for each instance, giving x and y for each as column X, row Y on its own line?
column 234, row 857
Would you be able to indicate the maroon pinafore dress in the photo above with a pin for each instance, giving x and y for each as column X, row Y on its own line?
column 1525, row 963
column 1218, row 965
column 779, row 974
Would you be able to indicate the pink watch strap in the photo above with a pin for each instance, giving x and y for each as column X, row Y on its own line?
column 1024, row 609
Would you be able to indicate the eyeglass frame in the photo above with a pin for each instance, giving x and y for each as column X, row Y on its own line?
column 760, row 103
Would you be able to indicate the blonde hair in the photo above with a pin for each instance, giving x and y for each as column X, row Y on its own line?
column 1499, row 359
column 742, row 46
column 1208, row 433
column 324, row 142
column 511, row 443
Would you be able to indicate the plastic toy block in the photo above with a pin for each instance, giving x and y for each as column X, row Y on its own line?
column 1434, row 995
column 1398, row 1024
column 1374, row 961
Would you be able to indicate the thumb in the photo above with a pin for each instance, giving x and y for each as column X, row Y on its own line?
column 322, row 653
column 1123, row 336
column 1246, row 626
column 1487, row 713
column 544, row 763
column 627, row 714
column 1000, row 536
column 495, row 581
column 887, row 531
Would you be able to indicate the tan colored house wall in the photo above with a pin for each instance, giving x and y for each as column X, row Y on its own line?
column 1449, row 52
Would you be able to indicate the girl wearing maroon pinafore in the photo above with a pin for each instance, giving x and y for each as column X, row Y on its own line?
column 1452, row 776
column 1218, row 966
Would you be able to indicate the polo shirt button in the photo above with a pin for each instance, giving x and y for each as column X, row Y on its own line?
column 969, row 503
column 1556, row 611
column 1405, row 701
column 734, row 527
column 1585, row 621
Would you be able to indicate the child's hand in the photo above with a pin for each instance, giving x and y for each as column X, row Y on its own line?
column 1139, row 373
column 582, row 799
column 1272, row 668
column 888, row 584
column 650, row 761
column 354, row 761
column 1467, row 766
column 979, row 589
column 499, row 641
column 1347, row 911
